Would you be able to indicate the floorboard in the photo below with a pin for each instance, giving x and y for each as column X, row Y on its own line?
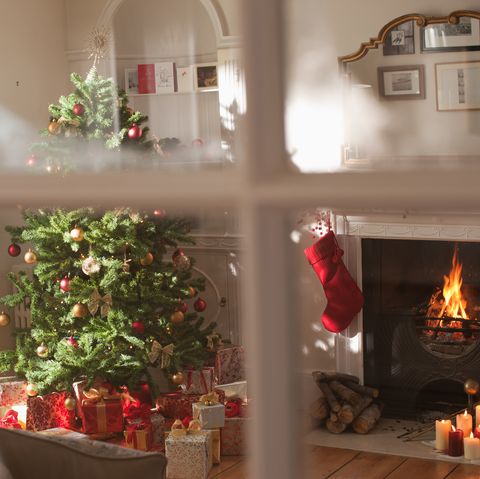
column 321, row 462
column 413, row 468
column 465, row 471
column 227, row 463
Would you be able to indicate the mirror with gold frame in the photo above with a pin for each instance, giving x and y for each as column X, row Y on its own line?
column 413, row 93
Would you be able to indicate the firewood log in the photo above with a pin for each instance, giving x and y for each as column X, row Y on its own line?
column 363, row 390
column 345, row 393
column 367, row 419
column 348, row 413
column 321, row 376
column 330, row 397
column 319, row 409
column 333, row 417
column 336, row 427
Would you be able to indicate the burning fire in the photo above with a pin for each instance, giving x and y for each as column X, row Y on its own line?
column 454, row 304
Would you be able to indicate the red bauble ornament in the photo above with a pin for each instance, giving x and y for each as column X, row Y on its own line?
column 177, row 253
column 200, row 305
column 135, row 132
column 72, row 342
column 138, row 327
column 186, row 421
column 65, row 284
column 78, row 109
column 183, row 307
column 14, row 250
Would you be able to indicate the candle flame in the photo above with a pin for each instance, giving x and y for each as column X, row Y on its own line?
column 453, row 428
column 465, row 413
column 471, row 435
column 443, row 421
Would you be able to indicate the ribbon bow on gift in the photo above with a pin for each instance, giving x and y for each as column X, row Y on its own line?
column 165, row 352
column 101, row 394
column 209, row 399
column 10, row 420
column 136, row 413
column 98, row 301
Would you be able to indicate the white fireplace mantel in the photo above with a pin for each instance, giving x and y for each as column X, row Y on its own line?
column 352, row 229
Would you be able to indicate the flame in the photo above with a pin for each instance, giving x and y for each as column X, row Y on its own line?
column 454, row 304
column 453, row 428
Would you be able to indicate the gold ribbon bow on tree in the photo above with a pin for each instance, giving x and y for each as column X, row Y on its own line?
column 212, row 339
column 165, row 353
column 97, row 301
column 209, row 399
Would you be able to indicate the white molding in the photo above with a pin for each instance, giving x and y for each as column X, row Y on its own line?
column 216, row 242
column 221, row 34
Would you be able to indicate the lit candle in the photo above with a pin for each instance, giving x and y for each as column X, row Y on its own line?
column 455, row 442
column 471, row 446
column 477, row 415
column 442, row 428
column 464, row 422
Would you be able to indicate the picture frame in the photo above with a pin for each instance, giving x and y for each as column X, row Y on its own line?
column 448, row 37
column 458, row 85
column 205, row 77
column 401, row 40
column 131, row 81
column 404, row 82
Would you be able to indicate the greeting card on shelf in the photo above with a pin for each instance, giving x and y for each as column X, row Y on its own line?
column 156, row 78
column 185, row 79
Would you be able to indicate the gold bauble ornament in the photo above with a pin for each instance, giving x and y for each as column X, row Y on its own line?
column 77, row 234
column 182, row 262
column 194, row 426
column 54, row 127
column 4, row 319
column 79, row 310
column 178, row 378
column 148, row 260
column 31, row 390
column 471, row 386
column 70, row 404
column 30, row 257
column 192, row 292
column 42, row 351
column 177, row 317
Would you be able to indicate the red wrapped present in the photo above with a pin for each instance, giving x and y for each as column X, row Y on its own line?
column 101, row 412
column 230, row 364
column 49, row 411
column 233, row 436
column 142, row 394
column 199, row 382
column 139, row 436
column 178, row 405
column 10, row 420
column 12, row 392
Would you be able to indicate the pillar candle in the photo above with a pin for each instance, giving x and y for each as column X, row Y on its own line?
column 476, row 432
column 464, row 422
column 477, row 415
column 442, row 428
column 455, row 442
column 471, row 447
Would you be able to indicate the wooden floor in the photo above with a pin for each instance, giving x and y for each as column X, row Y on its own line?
column 326, row 462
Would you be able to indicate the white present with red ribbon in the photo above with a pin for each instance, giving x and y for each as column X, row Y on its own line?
column 199, row 382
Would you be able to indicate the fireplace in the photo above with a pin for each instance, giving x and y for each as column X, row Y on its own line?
column 421, row 322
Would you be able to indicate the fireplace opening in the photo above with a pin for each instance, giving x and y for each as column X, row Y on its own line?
column 421, row 321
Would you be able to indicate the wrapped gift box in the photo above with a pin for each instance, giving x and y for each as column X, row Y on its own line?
column 234, row 436
column 49, row 411
column 139, row 437
column 230, row 364
column 199, row 382
column 102, row 416
column 237, row 390
column 211, row 417
column 9, row 420
column 158, row 428
column 190, row 456
column 178, row 405
column 216, row 446
column 12, row 392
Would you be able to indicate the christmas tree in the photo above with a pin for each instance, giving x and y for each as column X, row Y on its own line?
column 107, row 297
column 93, row 121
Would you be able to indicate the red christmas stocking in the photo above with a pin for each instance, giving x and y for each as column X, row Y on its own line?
column 344, row 298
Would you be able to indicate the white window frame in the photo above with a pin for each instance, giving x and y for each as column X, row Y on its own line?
column 263, row 188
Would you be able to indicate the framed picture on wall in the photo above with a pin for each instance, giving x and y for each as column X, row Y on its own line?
column 402, row 82
column 401, row 40
column 131, row 81
column 458, row 86
column 446, row 37
column 205, row 77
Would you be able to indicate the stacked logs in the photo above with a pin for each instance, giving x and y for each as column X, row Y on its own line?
column 345, row 402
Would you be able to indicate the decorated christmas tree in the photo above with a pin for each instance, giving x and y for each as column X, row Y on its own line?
column 91, row 122
column 110, row 295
